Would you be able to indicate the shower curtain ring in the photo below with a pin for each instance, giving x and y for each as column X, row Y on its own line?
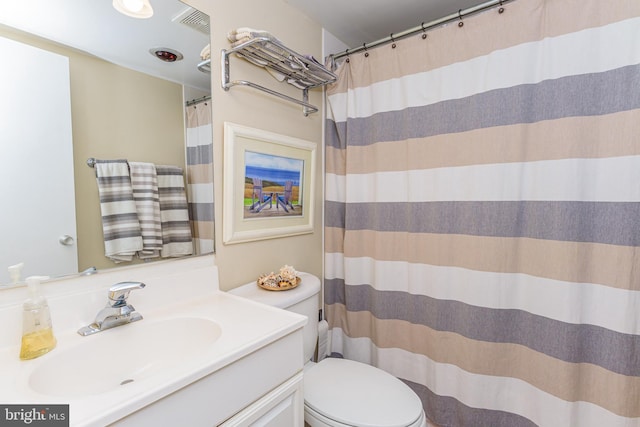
column 424, row 31
column 501, row 8
column 393, row 44
column 366, row 54
column 460, row 24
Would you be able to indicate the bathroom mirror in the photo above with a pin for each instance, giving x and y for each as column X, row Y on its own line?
column 110, row 47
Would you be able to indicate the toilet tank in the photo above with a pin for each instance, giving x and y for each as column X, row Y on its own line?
column 304, row 299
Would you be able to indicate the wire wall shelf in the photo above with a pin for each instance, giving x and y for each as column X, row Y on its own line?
column 285, row 65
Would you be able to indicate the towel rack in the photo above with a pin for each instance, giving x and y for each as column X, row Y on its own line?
column 298, row 70
column 205, row 66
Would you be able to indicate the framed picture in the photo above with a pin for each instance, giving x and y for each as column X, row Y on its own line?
column 268, row 184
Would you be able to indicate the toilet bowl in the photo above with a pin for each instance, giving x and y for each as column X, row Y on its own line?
column 340, row 392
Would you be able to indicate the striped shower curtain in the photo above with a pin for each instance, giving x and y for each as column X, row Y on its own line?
column 200, row 175
column 482, row 215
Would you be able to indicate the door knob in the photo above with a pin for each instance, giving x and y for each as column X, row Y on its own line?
column 66, row 240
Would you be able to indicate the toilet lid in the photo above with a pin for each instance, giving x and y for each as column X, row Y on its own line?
column 357, row 394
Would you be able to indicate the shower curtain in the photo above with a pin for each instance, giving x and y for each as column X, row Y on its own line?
column 482, row 215
column 200, row 175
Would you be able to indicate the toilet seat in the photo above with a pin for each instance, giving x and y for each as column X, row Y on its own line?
column 341, row 392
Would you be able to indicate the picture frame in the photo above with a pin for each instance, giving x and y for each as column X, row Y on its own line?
column 268, row 189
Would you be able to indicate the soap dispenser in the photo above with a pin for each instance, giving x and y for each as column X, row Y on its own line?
column 15, row 272
column 37, row 331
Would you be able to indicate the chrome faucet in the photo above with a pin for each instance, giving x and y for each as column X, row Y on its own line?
column 117, row 312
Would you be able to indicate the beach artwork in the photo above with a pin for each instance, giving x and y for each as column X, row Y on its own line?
column 268, row 186
column 272, row 185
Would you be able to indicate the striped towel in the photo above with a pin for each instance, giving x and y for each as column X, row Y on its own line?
column 145, row 194
column 174, row 213
column 120, row 225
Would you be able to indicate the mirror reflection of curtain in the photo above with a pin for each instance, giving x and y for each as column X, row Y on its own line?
column 200, row 175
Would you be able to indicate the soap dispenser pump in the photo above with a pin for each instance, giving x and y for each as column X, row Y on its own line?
column 37, row 331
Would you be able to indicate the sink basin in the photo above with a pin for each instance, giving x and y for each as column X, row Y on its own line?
column 122, row 355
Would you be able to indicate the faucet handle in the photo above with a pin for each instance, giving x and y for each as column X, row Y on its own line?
column 119, row 292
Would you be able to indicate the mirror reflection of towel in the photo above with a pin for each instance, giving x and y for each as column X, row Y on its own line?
column 145, row 195
column 174, row 212
column 205, row 53
column 120, row 225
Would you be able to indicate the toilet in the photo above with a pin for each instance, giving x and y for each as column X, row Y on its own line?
column 340, row 392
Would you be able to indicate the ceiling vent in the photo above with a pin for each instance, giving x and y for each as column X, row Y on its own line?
column 195, row 19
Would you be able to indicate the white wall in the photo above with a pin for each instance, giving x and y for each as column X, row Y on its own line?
column 331, row 44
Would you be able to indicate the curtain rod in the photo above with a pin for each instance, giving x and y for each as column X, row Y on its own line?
column 198, row 100
column 421, row 28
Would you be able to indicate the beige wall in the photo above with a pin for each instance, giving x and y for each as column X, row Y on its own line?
column 116, row 113
column 243, row 262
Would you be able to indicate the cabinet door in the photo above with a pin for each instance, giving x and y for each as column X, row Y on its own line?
column 282, row 407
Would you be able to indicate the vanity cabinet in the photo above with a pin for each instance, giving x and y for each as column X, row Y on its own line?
column 283, row 407
column 247, row 372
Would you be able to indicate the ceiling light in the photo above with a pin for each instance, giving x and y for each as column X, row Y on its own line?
column 134, row 8
column 165, row 54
